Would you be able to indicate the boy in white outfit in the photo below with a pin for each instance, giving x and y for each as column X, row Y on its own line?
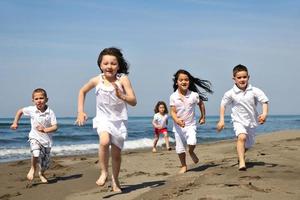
column 243, row 99
column 43, row 124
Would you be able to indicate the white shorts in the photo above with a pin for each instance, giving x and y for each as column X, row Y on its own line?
column 116, row 129
column 184, row 136
column 250, row 133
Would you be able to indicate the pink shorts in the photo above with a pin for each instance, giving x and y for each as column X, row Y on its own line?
column 158, row 131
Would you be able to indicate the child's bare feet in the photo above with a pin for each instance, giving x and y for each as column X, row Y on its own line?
column 102, row 179
column 43, row 178
column 30, row 174
column 115, row 185
column 154, row 150
column 183, row 170
column 194, row 157
column 242, row 166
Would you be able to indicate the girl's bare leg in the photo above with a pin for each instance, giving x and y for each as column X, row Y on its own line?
column 182, row 159
column 34, row 161
column 116, row 165
column 103, row 157
column 240, row 146
column 155, row 143
column 167, row 142
column 192, row 154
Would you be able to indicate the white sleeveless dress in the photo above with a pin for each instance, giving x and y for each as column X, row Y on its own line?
column 111, row 112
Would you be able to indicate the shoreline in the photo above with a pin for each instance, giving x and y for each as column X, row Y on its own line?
column 273, row 172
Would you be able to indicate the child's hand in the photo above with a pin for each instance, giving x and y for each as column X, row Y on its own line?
column 119, row 93
column 14, row 126
column 202, row 120
column 41, row 128
column 180, row 123
column 220, row 126
column 81, row 118
column 262, row 118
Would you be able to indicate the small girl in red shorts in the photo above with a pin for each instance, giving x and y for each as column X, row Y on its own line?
column 160, row 122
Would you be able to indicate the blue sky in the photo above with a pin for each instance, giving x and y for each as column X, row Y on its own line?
column 55, row 45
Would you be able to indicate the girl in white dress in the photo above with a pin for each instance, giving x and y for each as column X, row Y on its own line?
column 113, row 93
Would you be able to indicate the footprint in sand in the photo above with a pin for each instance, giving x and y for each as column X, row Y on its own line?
column 139, row 173
column 250, row 177
column 253, row 187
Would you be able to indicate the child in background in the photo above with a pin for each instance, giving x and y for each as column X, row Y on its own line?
column 43, row 124
column 160, row 122
column 243, row 99
column 183, row 101
column 113, row 93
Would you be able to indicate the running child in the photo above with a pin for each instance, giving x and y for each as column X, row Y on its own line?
column 243, row 99
column 113, row 93
column 160, row 122
column 183, row 101
column 43, row 124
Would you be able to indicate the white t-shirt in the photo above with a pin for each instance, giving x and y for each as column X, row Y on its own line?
column 38, row 118
column 160, row 120
column 185, row 107
column 244, row 104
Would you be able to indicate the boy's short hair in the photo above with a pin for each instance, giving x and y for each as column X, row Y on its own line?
column 239, row 68
column 40, row 90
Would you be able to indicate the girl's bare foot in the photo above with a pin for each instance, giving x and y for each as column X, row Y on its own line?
column 183, row 170
column 43, row 178
column 102, row 179
column 194, row 158
column 30, row 174
column 115, row 185
column 154, row 150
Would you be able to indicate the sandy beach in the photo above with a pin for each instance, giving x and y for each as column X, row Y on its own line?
column 273, row 172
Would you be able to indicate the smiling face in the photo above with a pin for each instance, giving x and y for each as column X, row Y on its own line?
column 39, row 100
column 109, row 66
column 183, row 83
column 241, row 79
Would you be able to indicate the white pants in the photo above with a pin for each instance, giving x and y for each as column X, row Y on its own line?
column 250, row 133
column 116, row 129
column 183, row 137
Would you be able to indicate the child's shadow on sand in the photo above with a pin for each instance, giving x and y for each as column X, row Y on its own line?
column 254, row 164
column 59, row 178
column 203, row 167
column 131, row 188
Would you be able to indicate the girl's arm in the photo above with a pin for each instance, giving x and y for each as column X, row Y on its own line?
column 154, row 124
column 14, row 125
column 202, row 111
column 177, row 120
column 221, row 123
column 81, row 115
column 265, row 109
column 129, row 96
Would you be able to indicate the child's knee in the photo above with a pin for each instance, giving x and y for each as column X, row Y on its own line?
column 242, row 137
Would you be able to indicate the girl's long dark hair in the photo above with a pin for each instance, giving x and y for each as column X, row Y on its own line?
column 113, row 51
column 194, row 84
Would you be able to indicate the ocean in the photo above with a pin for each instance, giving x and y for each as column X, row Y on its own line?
column 74, row 140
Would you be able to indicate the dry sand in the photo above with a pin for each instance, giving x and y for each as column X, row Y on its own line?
column 273, row 172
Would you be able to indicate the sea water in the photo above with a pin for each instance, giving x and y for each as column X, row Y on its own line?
column 73, row 140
